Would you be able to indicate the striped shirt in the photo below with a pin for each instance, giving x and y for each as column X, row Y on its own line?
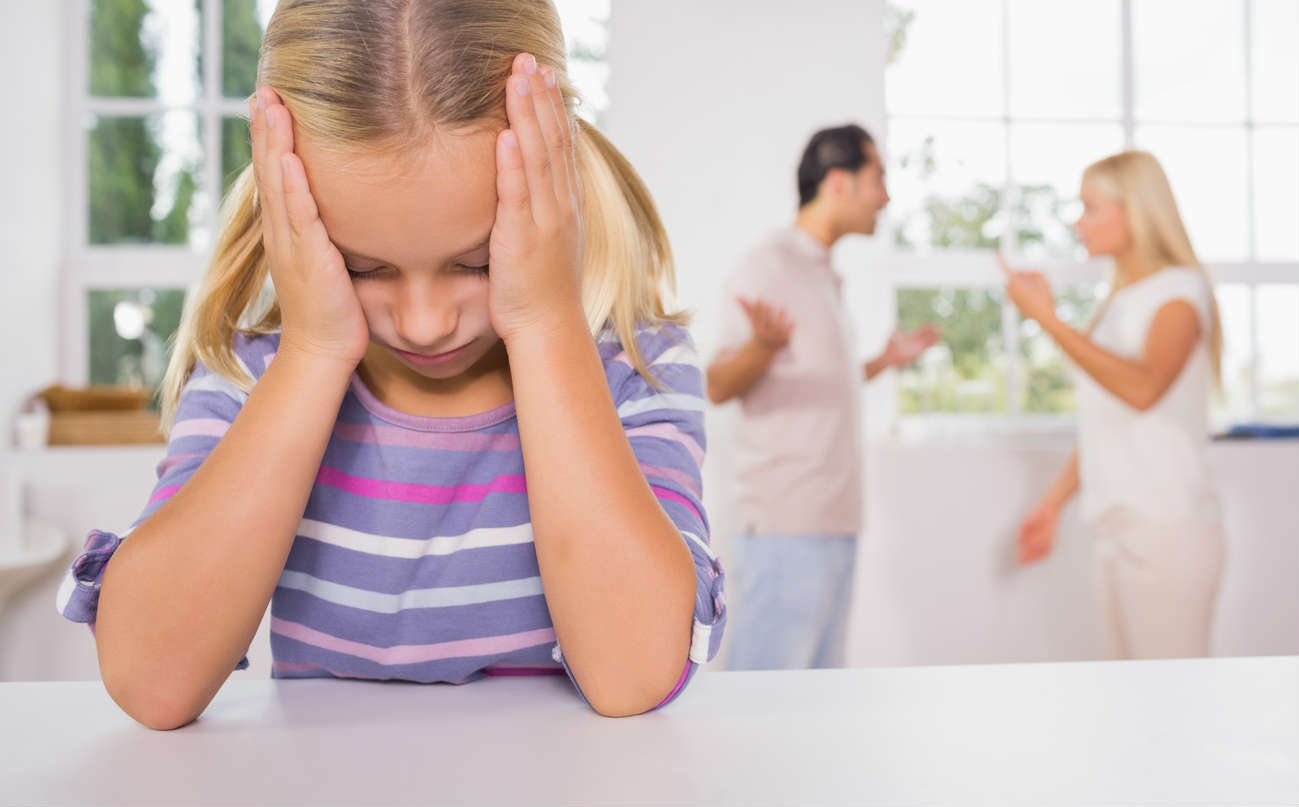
column 415, row 559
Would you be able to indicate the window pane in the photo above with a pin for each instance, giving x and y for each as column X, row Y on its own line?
column 946, row 180
column 145, row 180
column 146, row 49
column 1276, row 194
column 948, row 58
column 1048, row 382
column 242, row 24
column 236, row 150
column 1064, row 59
column 966, row 371
column 1207, row 169
column 1278, row 349
column 1274, row 59
column 130, row 331
column 1047, row 161
column 1189, row 60
column 586, row 28
column 1235, row 404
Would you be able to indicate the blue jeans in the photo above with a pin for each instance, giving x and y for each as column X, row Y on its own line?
column 794, row 593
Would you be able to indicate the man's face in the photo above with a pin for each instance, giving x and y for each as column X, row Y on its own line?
column 865, row 195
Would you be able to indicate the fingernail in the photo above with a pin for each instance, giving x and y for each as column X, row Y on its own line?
column 284, row 163
column 530, row 64
column 270, row 121
column 261, row 101
column 549, row 76
column 521, row 86
column 508, row 138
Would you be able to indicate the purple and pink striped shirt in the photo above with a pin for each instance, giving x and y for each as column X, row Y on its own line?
column 414, row 559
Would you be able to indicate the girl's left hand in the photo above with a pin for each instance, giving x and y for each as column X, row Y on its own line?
column 1029, row 291
column 536, row 243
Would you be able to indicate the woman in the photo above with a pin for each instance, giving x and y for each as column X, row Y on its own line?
column 1147, row 364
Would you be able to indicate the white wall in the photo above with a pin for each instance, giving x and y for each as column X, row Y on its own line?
column 31, row 205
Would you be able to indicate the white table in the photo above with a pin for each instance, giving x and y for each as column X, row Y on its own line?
column 1222, row 731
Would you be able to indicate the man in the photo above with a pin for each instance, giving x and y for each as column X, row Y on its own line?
column 787, row 358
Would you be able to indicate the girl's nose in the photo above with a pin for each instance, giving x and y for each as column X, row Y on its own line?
column 424, row 318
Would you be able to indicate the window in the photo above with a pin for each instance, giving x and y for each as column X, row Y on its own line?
column 156, row 95
column 994, row 161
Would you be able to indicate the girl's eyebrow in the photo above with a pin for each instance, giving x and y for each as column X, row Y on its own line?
column 351, row 253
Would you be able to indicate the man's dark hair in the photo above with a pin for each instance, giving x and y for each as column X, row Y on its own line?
column 839, row 147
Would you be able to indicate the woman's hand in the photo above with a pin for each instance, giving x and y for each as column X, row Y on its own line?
column 1037, row 534
column 904, row 348
column 772, row 326
column 1030, row 292
column 320, row 312
column 536, row 244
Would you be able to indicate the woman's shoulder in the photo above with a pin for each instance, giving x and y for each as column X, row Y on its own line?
column 1180, row 282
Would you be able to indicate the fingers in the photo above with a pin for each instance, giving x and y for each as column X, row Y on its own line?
column 1005, row 267
column 271, row 131
column 558, row 131
column 514, row 207
column 300, row 208
column 521, row 104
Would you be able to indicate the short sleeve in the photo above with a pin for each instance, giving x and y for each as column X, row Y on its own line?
column 208, row 405
column 1189, row 285
column 665, row 427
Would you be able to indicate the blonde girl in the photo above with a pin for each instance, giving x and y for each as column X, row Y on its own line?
column 463, row 435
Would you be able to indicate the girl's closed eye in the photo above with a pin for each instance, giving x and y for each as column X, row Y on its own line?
column 475, row 270
column 358, row 274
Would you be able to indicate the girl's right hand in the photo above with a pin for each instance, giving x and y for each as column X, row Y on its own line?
column 319, row 310
column 1037, row 534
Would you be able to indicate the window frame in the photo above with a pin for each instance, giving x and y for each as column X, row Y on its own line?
column 976, row 269
column 88, row 267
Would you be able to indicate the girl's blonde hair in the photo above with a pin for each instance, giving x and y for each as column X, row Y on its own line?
column 385, row 76
column 1136, row 181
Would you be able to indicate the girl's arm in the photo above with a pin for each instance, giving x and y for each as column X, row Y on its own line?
column 181, row 600
column 182, row 597
column 619, row 580
column 1172, row 336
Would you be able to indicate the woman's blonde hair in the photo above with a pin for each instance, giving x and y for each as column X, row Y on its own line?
column 1136, row 181
column 385, row 76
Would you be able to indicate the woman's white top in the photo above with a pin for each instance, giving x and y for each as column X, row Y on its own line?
column 1153, row 463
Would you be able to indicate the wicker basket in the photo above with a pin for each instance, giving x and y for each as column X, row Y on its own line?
column 97, row 399
column 104, row 428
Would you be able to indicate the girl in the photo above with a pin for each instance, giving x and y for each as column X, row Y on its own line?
column 464, row 434
column 1141, row 463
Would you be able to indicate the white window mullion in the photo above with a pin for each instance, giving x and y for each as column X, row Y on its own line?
column 72, row 347
column 1009, row 239
column 1251, row 229
column 1127, row 79
column 211, row 120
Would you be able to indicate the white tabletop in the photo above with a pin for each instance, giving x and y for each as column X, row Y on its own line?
column 1202, row 732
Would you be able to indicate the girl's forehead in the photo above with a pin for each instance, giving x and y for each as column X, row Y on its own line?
column 415, row 209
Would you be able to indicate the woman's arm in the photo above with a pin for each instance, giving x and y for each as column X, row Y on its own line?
column 1172, row 336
